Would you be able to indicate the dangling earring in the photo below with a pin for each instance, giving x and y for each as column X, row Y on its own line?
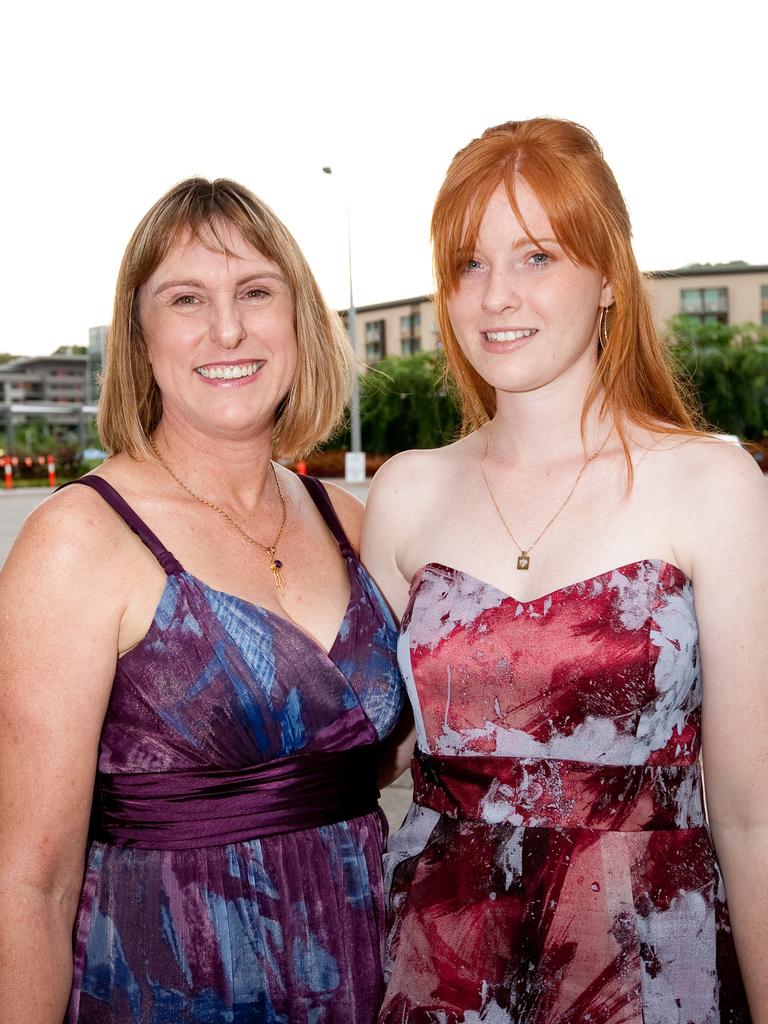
column 602, row 327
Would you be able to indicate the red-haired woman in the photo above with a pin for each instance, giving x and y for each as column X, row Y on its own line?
column 557, row 864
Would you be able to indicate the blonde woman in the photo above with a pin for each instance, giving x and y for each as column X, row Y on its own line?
column 221, row 669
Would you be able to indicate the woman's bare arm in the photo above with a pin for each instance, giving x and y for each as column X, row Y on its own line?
column 730, row 569
column 388, row 511
column 60, row 610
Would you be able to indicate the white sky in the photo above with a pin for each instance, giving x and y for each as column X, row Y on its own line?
column 105, row 105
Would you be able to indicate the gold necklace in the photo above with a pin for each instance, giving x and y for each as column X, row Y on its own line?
column 275, row 565
column 524, row 558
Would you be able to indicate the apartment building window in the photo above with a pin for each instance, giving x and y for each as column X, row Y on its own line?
column 764, row 304
column 375, row 340
column 709, row 305
column 410, row 333
column 410, row 322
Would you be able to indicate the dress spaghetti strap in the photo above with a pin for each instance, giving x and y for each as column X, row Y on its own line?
column 115, row 500
column 320, row 497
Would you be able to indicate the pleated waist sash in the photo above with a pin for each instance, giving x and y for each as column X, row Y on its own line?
column 552, row 793
column 212, row 807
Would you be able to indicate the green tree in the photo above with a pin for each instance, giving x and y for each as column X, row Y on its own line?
column 35, row 437
column 405, row 404
column 727, row 366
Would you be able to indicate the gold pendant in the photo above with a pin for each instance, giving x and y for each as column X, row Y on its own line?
column 524, row 560
column 275, row 565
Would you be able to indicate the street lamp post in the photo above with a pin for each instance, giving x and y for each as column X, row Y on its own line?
column 10, row 440
column 354, row 461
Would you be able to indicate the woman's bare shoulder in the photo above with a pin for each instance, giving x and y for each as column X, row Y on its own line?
column 413, row 471
column 709, row 455
column 73, row 526
column 712, row 474
column 73, row 517
column 349, row 508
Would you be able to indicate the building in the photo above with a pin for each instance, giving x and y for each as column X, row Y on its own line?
column 52, row 380
column 399, row 328
column 50, row 387
column 732, row 293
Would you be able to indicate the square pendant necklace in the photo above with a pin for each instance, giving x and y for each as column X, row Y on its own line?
column 524, row 558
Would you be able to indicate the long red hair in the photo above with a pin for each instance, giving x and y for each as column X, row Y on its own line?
column 564, row 166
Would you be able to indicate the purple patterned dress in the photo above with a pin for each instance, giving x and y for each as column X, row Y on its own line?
column 236, row 873
column 556, row 867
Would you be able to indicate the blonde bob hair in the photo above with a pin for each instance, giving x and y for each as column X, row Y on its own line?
column 564, row 166
column 131, row 406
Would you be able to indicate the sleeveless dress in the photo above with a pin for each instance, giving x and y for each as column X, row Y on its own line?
column 555, row 866
column 227, row 722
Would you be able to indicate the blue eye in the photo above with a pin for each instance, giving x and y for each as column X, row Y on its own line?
column 472, row 264
column 540, row 259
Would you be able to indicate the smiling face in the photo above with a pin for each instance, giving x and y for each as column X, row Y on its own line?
column 220, row 335
column 525, row 315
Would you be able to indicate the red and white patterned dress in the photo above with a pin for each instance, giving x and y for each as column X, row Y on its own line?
column 556, row 866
